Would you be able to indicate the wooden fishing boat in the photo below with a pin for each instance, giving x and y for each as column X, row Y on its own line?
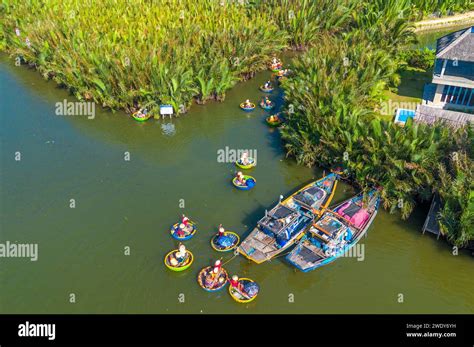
column 252, row 164
column 140, row 117
column 266, row 90
column 248, row 183
column 274, row 123
column 233, row 238
column 240, row 296
column 183, row 265
column 188, row 232
column 247, row 108
column 267, row 107
column 285, row 223
column 335, row 233
column 215, row 286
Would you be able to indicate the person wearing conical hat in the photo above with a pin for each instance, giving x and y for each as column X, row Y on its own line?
column 220, row 231
column 218, row 266
column 181, row 254
column 181, row 232
column 173, row 261
column 234, row 281
column 185, row 220
column 240, row 179
column 273, row 118
column 244, row 159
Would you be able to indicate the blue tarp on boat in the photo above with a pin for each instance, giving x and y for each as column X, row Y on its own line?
column 226, row 240
column 251, row 289
column 349, row 235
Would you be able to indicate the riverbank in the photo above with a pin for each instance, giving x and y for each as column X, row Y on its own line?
column 94, row 52
column 466, row 19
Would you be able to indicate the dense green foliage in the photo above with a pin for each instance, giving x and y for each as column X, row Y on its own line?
column 333, row 122
column 456, row 217
column 418, row 58
column 119, row 53
column 422, row 8
column 123, row 54
column 303, row 20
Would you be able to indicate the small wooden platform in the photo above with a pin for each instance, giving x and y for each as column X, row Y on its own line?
column 431, row 223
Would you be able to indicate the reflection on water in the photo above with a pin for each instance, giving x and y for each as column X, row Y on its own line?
column 168, row 129
column 428, row 38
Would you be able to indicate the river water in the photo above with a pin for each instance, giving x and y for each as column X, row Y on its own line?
column 125, row 205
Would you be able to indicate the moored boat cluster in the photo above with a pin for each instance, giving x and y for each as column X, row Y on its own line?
column 302, row 224
column 321, row 235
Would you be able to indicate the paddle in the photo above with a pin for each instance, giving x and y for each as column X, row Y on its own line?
column 193, row 222
column 189, row 220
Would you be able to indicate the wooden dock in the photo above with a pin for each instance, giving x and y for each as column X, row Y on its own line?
column 431, row 223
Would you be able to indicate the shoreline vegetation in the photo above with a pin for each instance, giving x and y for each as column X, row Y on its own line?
column 175, row 52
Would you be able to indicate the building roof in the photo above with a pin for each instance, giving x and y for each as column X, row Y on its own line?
column 431, row 115
column 458, row 45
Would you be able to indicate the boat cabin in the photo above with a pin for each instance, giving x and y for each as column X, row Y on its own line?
column 282, row 222
column 311, row 198
column 329, row 228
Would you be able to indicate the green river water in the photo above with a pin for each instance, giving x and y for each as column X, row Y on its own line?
column 132, row 203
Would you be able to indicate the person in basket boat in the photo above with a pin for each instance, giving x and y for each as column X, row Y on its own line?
column 181, row 232
column 276, row 63
column 273, row 118
column 245, row 159
column 185, row 220
column 179, row 256
column 266, row 101
column 220, row 231
column 241, row 181
column 214, row 276
column 247, row 104
column 217, row 266
column 235, row 283
column 143, row 113
column 279, row 75
column 267, row 85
